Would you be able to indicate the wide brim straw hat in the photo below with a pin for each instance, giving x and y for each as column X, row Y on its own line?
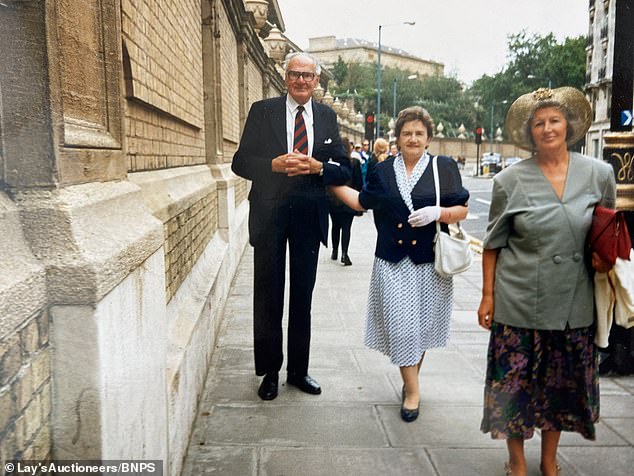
column 575, row 104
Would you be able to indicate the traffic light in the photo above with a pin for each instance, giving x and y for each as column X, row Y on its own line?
column 369, row 126
column 478, row 135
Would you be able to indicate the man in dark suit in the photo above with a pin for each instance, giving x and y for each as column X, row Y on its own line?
column 290, row 149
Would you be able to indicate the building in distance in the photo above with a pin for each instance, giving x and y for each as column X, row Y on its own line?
column 351, row 50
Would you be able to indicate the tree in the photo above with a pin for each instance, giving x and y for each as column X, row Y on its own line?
column 340, row 71
column 443, row 97
column 568, row 62
column 540, row 57
column 445, row 100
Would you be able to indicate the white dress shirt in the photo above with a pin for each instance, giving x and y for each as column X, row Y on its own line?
column 291, row 111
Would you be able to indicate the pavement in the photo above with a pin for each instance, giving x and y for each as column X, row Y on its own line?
column 353, row 428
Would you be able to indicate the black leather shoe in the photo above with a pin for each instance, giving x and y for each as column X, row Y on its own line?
column 268, row 387
column 305, row 384
column 333, row 256
column 345, row 259
column 407, row 414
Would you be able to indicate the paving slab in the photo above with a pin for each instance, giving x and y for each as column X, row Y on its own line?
column 478, row 461
column 606, row 436
column 597, row 461
column 437, row 426
column 291, row 425
column 340, row 462
column 624, row 427
column 219, row 460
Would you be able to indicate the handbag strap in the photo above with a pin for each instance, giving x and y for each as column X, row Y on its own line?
column 434, row 165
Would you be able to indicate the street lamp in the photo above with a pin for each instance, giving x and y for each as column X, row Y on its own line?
column 378, row 93
column 411, row 76
column 491, row 130
column 550, row 83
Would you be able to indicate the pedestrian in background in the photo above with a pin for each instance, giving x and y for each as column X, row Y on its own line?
column 393, row 149
column 365, row 158
column 409, row 304
column 537, row 295
column 356, row 152
column 342, row 215
column 365, row 150
column 379, row 153
column 291, row 149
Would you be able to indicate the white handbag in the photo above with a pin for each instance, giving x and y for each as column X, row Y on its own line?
column 452, row 254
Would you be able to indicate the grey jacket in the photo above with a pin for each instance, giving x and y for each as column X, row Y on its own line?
column 541, row 277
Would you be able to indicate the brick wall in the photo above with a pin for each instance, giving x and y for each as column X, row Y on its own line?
column 165, row 118
column 156, row 141
column 240, row 191
column 164, row 39
column 187, row 234
column 255, row 84
column 230, row 82
column 163, row 51
column 25, row 391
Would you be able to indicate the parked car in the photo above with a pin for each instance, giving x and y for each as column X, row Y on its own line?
column 490, row 164
column 511, row 161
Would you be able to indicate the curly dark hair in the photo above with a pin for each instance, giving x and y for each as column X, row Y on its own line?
column 414, row 113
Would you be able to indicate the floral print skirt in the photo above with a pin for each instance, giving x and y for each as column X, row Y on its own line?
column 540, row 379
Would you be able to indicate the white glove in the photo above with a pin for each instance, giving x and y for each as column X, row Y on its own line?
column 424, row 216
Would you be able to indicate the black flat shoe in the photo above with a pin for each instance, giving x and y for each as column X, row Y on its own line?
column 268, row 387
column 305, row 384
column 345, row 259
column 407, row 414
column 333, row 256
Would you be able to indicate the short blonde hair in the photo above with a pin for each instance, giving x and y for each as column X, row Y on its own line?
column 380, row 146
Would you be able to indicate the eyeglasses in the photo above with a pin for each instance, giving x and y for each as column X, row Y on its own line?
column 306, row 75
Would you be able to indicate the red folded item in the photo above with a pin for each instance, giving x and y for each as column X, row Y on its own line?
column 608, row 235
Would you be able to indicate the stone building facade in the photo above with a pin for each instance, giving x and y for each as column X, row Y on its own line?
column 599, row 70
column 609, row 73
column 328, row 49
column 122, row 224
column 600, row 54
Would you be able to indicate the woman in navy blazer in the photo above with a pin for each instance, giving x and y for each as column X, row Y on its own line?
column 409, row 304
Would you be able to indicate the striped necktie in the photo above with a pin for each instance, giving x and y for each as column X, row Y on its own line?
column 300, row 139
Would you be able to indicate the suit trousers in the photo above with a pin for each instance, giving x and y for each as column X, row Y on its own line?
column 295, row 224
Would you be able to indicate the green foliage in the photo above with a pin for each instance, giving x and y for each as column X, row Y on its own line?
column 540, row 57
column 442, row 97
column 340, row 71
column 446, row 99
column 447, row 103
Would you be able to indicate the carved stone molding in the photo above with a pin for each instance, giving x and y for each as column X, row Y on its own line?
column 276, row 45
column 619, row 153
column 260, row 9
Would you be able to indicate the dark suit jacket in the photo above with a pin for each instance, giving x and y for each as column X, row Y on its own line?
column 395, row 237
column 263, row 139
column 356, row 182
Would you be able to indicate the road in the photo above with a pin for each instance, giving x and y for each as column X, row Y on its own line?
column 479, row 201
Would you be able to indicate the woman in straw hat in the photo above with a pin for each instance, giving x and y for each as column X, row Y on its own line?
column 537, row 297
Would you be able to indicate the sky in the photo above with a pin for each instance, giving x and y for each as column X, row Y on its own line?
column 468, row 36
